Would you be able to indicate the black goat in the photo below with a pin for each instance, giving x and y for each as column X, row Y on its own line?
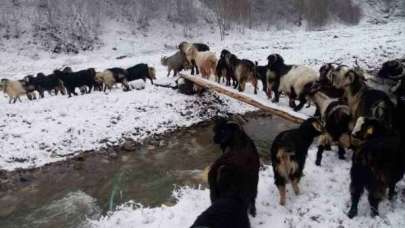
column 79, row 79
column 393, row 69
column 232, row 62
column 288, row 154
column 43, row 83
column 222, row 72
column 141, row 71
column 223, row 65
column 236, row 171
column 261, row 74
column 378, row 163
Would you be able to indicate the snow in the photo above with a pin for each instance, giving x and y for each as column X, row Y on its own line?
column 48, row 130
column 323, row 202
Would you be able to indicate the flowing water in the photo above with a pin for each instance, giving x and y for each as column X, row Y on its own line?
column 65, row 194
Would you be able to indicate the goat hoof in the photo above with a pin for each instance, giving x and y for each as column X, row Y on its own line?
column 391, row 195
column 374, row 213
column 253, row 212
column 352, row 214
column 318, row 163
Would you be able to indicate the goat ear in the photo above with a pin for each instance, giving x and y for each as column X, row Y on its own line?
column 393, row 64
column 351, row 75
column 317, row 125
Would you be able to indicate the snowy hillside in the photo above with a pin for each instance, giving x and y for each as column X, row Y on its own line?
column 61, row 26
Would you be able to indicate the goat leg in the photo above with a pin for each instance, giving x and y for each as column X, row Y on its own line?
column 276, row 98
column 264, row 84
column 356, row 192
column 295, row 186
column 252, row 208
column 341, row 152
column 196, row 68
column 391, row 192
column 374, row 201
column 318, row 161
column 301, row 104
column 291, row 103
column 282, row 191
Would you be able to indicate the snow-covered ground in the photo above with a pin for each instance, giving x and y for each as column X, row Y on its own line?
column 44, row 131
column 323, row 202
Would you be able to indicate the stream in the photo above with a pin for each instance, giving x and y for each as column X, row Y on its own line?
column 67, row 193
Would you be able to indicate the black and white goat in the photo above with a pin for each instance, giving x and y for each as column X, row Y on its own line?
column 293, row 80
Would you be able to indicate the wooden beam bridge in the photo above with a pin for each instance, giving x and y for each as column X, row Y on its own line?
column 265, row 105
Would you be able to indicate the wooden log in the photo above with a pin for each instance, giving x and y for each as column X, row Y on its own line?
column 271, row 108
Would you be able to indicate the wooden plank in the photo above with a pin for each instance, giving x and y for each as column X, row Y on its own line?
column 211, row 85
